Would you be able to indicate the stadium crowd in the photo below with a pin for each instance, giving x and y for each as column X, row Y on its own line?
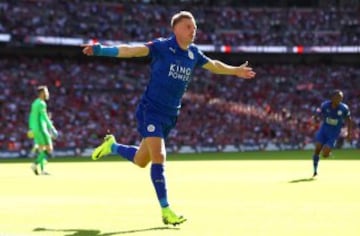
column 218, row 25
column 88, row 98
column 92, row 97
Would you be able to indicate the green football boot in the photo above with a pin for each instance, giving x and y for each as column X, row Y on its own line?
column 104, row 149
column 170, row 218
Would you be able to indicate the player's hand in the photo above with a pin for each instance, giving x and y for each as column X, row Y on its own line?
column 315, row 118
column 91, row 49
column 244, row 71
column 54, row 133
column 30, row 134
column 87, row 50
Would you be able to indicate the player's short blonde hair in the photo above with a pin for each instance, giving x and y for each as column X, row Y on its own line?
column 41, row 88
column 179, row 16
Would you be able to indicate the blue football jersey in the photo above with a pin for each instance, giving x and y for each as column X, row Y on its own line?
column 333, row 118
column 171, row 71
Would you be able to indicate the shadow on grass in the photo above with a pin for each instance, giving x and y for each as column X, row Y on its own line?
column 301, row 180
column 94, row 232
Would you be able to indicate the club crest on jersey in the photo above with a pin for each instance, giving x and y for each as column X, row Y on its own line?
column 191, row 55
column 339, row 112
column 150, row 128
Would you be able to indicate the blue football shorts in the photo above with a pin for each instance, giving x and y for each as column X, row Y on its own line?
column 152, row 123
column 326, row 138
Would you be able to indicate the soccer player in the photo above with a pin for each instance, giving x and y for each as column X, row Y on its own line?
column 333, row 113
column 173, row 62
column 35, row 148
column 42, row 129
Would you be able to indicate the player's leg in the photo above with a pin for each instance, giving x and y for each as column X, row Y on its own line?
column 329, row 145
column 40, row 160
column 150, row 126
column 126, row 151
column 42, row 140
column 157, row 151
column 34, row 167
column 34, row 150
column 48, row 150
column 319, row 140
column 45, row 150
column 326, row 151
column 142, row 156
column 316, row 157
column 138, row 155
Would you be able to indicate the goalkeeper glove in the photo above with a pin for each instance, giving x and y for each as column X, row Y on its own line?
column 54, row 133
column 30, row 134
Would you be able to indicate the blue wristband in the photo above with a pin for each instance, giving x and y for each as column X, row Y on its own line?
column 100, row 50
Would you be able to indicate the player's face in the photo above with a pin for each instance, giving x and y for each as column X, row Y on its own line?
column 185, row 30
column 337, row 98
column 46, row 94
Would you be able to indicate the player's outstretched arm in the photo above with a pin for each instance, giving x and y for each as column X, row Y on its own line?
column 218, row 67
column 125, row 51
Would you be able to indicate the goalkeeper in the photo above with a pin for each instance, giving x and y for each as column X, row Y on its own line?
column 42, row 129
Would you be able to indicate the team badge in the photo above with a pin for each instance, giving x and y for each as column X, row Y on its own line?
column 150, row 128
column 339, row 112
column 191, row 55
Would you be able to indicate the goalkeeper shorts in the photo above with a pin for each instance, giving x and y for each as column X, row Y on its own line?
column 42, row 138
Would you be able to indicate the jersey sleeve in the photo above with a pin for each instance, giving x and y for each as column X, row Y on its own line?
column 320, row 111
column 154, row 47
column 202, row 58
column 44, row 116
column 32, row 116
column 347, row 112
column 323, row 108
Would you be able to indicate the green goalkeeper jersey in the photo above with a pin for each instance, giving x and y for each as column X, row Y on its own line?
column 39, row 119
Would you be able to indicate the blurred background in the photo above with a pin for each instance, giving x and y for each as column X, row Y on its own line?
column 301, row 51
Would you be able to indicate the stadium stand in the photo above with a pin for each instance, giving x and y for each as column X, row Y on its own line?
column 233, row 25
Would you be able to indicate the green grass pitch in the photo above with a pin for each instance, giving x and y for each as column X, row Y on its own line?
column 252, row 193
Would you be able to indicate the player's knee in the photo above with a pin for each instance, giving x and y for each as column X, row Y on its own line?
column 142, row 164
column 159, row 158
column 326, row 153
column 141, row 159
